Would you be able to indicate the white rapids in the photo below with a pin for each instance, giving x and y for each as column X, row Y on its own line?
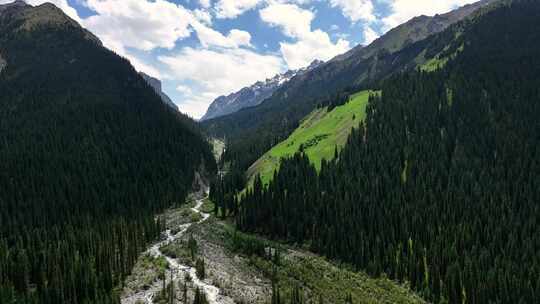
column 178, row 270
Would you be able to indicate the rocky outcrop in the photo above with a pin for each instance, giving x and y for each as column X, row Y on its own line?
column 156, row 85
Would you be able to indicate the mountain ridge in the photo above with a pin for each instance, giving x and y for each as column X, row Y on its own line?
column 436, row 186
column 156, row 85
column 89, row 154
column 253, row 95
column 402, row 48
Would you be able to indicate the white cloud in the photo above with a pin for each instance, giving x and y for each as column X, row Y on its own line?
column 404, row 10
column 369, row 35
column 212, row 38
column 295, row 21
column 216, row 72
column 241, row 38
column 184, row 89
column 205, row 3
column 139, row 24
column 203, row 16
column 234, row 8
column 142, row 66
column 309, row 45
column 356, row 10
column 316, row 45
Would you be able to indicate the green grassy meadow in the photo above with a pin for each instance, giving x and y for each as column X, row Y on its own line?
column 320, row 133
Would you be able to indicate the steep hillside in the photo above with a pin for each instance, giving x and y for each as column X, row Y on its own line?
column 156, row 85
column 319, row 135
column 89, row 154
column 403, row 48
column 440, row 186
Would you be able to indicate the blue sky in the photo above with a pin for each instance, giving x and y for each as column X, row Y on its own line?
column 201, row 49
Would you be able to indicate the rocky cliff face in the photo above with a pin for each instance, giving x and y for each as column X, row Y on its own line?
column 253, row 95
column 156, row 85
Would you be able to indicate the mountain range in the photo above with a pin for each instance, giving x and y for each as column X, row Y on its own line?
column 438, row 180
column 403, row 48
column 404, row 171
column 253, row 95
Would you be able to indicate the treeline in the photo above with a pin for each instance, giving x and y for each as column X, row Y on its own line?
column 338, row 99
column 88, row 155
column 223, row 191
column 440, row 185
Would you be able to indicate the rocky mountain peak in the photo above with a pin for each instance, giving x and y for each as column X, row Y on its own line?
column 13, row 5
column 30, row 18
column 254, row 95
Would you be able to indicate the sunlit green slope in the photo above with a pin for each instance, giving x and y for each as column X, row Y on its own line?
column 319, row 134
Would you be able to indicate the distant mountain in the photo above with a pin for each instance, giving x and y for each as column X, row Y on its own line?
column 253, row 95
column 402, row 48
column 156, row 85
column 416, row 29
column 89, row 154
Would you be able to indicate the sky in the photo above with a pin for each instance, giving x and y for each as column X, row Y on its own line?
column 202, row 49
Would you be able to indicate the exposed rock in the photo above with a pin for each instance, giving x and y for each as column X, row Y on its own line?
column 254, row 95
column 14, row 5
column 156, row 85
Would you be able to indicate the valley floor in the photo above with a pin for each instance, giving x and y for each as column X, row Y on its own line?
column 233, row 276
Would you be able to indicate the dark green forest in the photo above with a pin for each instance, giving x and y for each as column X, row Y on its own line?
column 253, row 131
column 88, row 155
column 440, row 185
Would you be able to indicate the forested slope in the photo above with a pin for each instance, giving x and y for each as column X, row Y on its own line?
column 252, row 132
column 440, row 186
column 319, row 135
column 88, row 154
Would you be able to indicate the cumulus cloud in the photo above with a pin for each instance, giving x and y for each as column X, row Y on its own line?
column 138, row 24
column 212, row 38
column 369, row 35
column 210, row 73
column 356, row 10
column 310, row 44
column 404, row 10
column 203, row 16
column 205, row 3
column 295, row 21
column 316, row 45
column 234, row 8
column 241, row 38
